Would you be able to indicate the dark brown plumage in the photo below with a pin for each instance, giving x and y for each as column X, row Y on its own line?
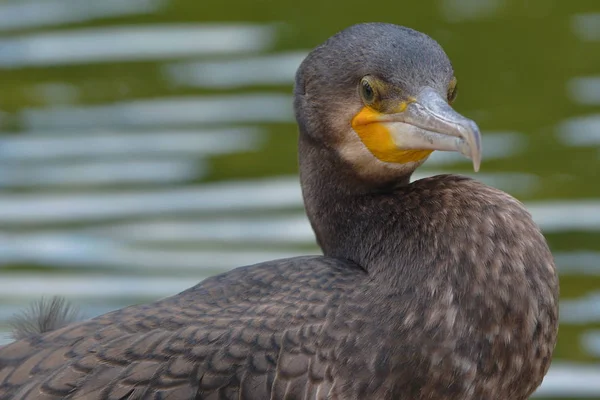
column 443, row 288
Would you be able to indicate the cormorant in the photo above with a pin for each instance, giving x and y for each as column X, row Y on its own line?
column 442, row 288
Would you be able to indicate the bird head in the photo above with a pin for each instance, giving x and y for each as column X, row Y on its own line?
column 381, row 96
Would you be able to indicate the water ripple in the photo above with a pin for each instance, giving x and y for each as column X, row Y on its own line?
column 44, row 146
column 584, row 90
column 227, row 109
column 107, row 172
column 586, row 26
column 582, row 310
column 274, row 69
column 570, row 380
column 89, row 252
column 24, row 14
column 93, row 206
column 580, row 131
column 23, row 286
column 131, row 43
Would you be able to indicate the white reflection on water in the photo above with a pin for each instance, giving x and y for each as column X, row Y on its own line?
column 22, row 286
column 464, row 10
column 107, row 172
column 580, row 131
column 273, row 69
column 582, row 310
column 58, row 145
column 81, row 251
column 292, row 229
column 578, row 262
column 225, row 109
column 568, row 380
column 96, row 206
column 590, row 340
column 585, row 90
column 557, row 216
column 23, row 14
column 143, row 42
column 586, row 26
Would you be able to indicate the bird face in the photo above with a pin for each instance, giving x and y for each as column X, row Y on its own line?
column 404, row 128
column 381, row 95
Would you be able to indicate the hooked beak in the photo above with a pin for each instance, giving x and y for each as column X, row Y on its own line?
column 429, row 123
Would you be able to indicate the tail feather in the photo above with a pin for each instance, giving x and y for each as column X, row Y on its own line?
column 42, row 316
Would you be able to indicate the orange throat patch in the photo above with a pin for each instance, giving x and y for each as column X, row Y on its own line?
column 378, row 139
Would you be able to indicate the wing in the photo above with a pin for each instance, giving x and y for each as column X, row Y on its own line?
column 251, row 333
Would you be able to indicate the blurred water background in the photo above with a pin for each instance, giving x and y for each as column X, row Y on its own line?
column 148, row 144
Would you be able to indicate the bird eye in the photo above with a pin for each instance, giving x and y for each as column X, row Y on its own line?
column 452, row 90
column 367, row 92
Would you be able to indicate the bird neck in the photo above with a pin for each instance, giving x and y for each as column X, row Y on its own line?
column 351, row 218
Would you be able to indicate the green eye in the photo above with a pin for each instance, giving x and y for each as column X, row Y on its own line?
column 367, row 92
column 452, row 90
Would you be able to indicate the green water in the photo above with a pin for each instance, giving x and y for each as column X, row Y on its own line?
column 528, row 70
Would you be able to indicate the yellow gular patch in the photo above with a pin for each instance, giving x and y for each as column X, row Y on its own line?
column 378, row 139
